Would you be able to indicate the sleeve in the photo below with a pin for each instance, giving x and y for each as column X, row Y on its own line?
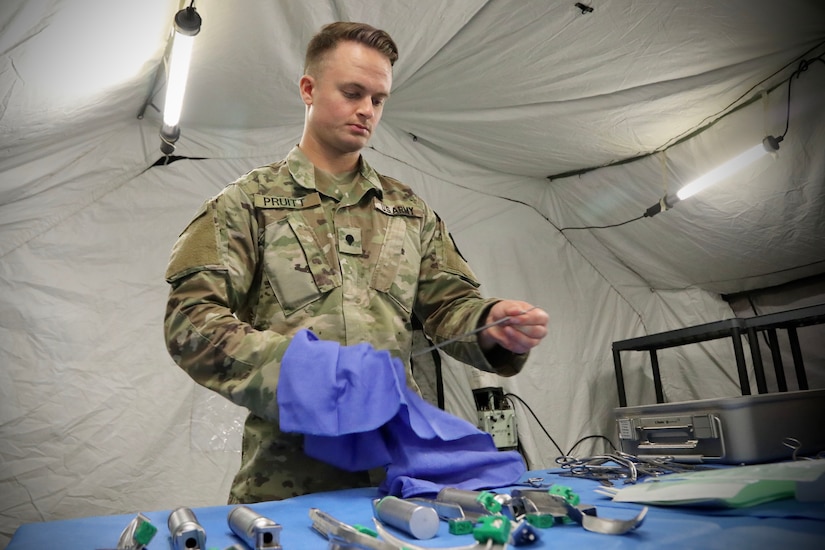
column 212, row 276
column 450, row 304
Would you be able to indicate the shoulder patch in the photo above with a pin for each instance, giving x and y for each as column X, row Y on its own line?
column 196, row 248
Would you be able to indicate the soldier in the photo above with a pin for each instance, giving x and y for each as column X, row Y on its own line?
column 321, row 241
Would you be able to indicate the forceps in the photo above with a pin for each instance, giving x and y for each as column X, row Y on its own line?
column 595, row 467
column 628, row 467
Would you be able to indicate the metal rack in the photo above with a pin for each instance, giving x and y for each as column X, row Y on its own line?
column 734, row 329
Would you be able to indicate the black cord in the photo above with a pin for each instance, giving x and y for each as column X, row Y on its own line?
column 563, row 229
column 508, row 395
column 803, row 66
column 753, row 306
column 576, row 444
column 585, row 438
column 700, row 128
column 756, row 312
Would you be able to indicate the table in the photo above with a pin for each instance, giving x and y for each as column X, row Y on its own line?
column 734, row 329
column 779, row 524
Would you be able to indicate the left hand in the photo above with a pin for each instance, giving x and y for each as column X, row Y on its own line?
column 522, row 332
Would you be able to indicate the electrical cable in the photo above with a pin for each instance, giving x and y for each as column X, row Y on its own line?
column 558, row 448
column 585, row 438
column 730, row 109
column 803, row 66
column 563, row 229
column 756, row 312
column 509, row 395
column 667, row 202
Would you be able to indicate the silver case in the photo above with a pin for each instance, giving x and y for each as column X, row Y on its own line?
column 735, row 430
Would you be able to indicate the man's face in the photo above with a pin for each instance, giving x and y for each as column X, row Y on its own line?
column 345, row 99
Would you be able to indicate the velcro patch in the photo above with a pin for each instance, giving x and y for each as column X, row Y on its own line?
column 398, row 210
column 268, row 201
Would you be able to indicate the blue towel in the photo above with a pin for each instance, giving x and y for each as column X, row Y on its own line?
column 357, row 413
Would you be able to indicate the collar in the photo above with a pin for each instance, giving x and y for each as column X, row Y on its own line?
column 303, row 172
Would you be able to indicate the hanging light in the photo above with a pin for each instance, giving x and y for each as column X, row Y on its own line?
column 187, row 26
column 723, row 171
column 769, row 145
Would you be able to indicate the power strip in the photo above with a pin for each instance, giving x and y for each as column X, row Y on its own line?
column 495, row 417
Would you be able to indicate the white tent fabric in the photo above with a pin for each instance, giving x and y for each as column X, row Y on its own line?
column 620, row 106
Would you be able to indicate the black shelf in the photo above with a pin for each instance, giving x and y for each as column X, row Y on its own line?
column 734, row 329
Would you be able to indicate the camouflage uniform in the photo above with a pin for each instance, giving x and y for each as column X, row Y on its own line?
column 282, row 249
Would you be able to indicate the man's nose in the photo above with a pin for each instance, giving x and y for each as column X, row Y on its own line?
column 366, row 108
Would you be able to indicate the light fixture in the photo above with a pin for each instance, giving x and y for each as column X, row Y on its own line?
column 187, row 26
column 723, row 171
column 769, row 145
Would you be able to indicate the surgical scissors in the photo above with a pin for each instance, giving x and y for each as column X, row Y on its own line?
column 608, row 467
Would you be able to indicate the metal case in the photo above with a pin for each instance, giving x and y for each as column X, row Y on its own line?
column 735, row 430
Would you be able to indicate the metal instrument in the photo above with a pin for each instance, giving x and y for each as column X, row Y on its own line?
column 469, row 333
column 259, row 532
column 620, row 466
column 342, row 536
column 137, row 534
column 186, row 532
column 413, row 518
column 475, row 504
column 604, row 526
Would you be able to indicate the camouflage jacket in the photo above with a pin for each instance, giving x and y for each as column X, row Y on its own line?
column 279, row 250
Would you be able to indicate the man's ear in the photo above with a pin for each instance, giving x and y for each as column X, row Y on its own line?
column 306, row 86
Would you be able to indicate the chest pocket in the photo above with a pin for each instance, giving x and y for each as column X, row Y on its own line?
column 399, row 263
column 295, row 264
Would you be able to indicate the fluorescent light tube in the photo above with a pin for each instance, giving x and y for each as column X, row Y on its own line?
column 722, row 172
column 178, row 73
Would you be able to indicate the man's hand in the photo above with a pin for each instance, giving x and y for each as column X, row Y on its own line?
column 524, row 328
